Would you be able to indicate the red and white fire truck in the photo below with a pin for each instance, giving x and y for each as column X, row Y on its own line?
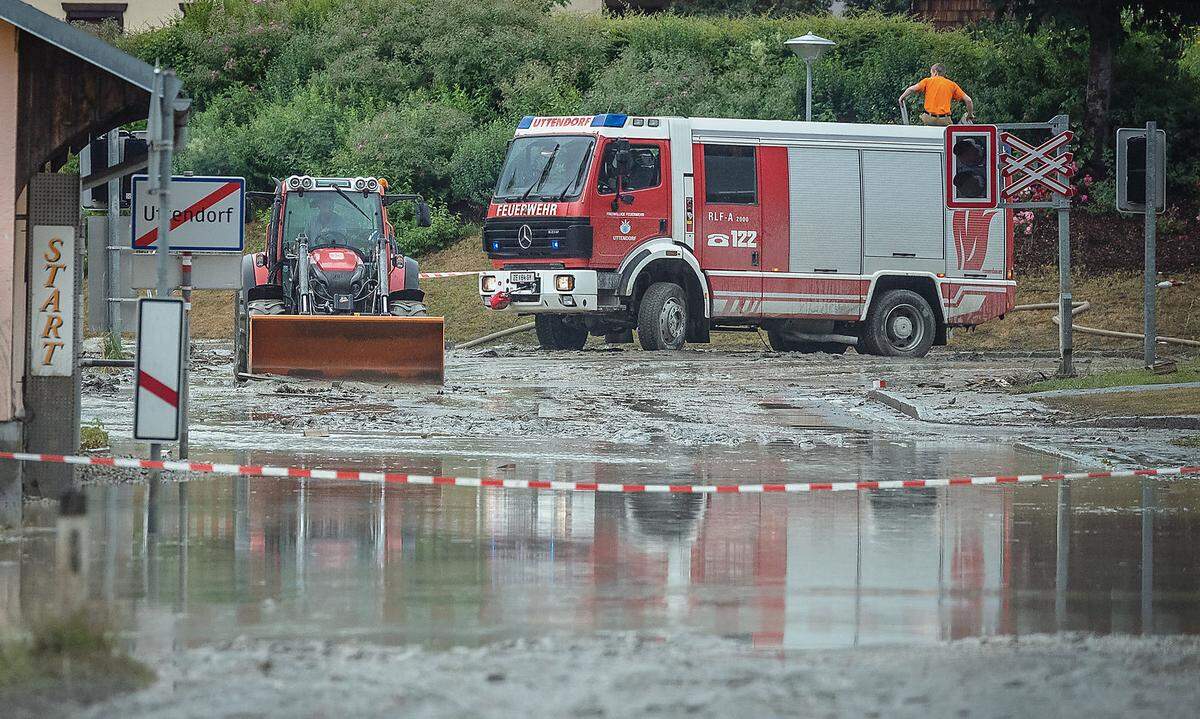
column 824, row 234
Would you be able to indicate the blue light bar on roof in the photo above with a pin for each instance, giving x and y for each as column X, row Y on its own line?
column 525, row 122
column 609, row 120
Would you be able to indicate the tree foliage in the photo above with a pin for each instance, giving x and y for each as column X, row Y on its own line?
column 1107, row 25
column 428, row 92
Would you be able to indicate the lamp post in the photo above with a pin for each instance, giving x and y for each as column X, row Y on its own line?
column 810, row 47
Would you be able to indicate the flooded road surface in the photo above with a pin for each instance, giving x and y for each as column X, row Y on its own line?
column 445, row 566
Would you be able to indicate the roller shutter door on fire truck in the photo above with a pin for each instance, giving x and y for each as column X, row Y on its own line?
column 903, row 209
column 826, row 210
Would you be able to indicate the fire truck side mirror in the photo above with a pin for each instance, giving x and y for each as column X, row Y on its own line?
column 972, row 160
column 622, row 156
column 423, row 218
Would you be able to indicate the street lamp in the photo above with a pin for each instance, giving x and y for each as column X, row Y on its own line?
column 810, row 47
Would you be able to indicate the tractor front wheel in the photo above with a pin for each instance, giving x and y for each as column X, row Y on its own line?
column 241, row 337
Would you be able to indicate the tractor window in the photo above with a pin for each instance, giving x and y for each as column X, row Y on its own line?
column 646, row 172
column 329, row 219
column 730, row 177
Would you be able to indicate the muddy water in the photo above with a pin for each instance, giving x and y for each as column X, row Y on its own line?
column 221, row 558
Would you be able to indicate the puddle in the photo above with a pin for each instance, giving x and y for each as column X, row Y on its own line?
column 446, row 566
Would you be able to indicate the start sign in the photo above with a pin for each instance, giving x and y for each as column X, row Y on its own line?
column 52, row 301
column 207, row 214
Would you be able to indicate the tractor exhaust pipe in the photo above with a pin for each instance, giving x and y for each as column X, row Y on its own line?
column 383, row 271
column 306, row 303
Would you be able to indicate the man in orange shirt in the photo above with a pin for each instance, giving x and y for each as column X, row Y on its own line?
column 939, row 91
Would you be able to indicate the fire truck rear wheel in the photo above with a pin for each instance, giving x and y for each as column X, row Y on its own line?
column 555, row 332
column 663, row 317
column 900, row 323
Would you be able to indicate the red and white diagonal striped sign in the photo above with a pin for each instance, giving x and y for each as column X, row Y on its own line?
column 159, row 374
column 1042, row 165
column 207, row 214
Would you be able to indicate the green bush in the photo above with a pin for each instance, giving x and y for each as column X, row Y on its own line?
column 444, row 230
column 476, row 163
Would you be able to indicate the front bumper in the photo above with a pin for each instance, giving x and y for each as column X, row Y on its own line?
column 542, row 295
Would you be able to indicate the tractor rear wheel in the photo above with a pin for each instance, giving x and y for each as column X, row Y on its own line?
column 555, row 332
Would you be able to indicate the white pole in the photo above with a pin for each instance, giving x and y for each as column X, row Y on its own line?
column 808, row 90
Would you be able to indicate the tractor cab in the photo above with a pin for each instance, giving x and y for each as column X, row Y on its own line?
column 340, row 225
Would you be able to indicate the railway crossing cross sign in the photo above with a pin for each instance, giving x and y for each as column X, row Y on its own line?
column 158, row 373
column 1047, row 165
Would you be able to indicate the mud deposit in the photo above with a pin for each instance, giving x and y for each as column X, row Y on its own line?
column 276, row 597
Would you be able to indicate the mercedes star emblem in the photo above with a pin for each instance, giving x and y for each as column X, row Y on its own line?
column 525, row 237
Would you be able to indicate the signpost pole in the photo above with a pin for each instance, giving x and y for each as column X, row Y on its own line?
column 1150, row 325
column 161, row 126
column 111, row 251
column 185, row 288
column 1066, row 365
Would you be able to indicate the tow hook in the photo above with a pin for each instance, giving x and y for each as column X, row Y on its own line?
column 500, row 300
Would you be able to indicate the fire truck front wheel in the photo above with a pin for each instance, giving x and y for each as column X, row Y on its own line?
column 663, row 317
column 555, row 332
column 900, row 323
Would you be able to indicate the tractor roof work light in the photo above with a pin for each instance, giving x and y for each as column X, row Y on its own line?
column 972, row 159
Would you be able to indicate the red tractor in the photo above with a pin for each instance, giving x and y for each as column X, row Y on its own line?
column 332, row 295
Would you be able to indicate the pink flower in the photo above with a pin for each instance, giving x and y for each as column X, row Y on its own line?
column 1083, row 198
column 1028, row 229
column 1087, row 180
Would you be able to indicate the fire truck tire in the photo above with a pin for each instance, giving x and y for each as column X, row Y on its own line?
column 663, row 317
column 900, row 323
column 557, row 333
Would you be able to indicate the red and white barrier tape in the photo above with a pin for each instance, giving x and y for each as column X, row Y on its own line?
column 356, row 475
column 434, row 275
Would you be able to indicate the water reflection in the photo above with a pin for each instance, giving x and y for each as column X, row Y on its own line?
column 445, row 566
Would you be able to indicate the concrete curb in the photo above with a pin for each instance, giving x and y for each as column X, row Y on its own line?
column 897, row 403
column 1110, row 390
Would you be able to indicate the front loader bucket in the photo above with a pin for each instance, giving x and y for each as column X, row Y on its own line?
column 406, row 349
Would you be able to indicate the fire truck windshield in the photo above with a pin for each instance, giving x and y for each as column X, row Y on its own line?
column 328, row 219
column 546, row 167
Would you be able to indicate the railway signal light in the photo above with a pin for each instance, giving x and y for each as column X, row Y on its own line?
column 1131, row 169
column 971, row 162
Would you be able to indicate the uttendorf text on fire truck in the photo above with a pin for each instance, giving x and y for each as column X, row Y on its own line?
column 824, row 234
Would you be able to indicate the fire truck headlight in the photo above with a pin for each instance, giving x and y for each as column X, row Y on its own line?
column 307, row 182
column 488, row 283
column 564, row 283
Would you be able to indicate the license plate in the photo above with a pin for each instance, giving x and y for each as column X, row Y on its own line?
column 522, row 278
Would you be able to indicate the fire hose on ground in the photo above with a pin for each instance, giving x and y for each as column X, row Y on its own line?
column 495, row 336
column 1078, row 308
